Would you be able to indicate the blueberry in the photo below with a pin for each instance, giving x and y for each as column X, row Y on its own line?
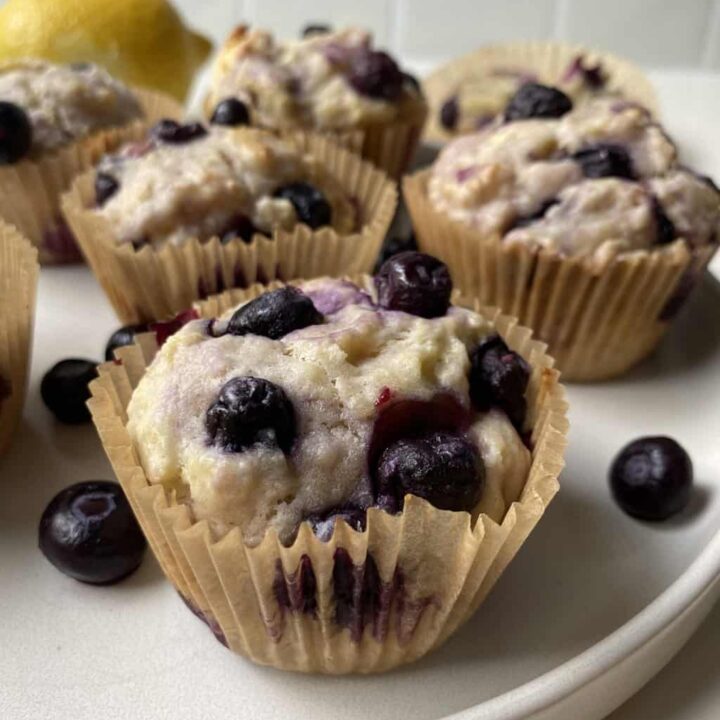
column 665, row 232
column 274, row 314
column 316, row 29
column 170, row 131
column 539, row 214
column 444, row 468
column 310, row 204
column 394, row 246
column 533, row 100
column 88, row 531
column 251, row 411
column 121, row 337
column 605, row 160
column 15, row 133
column 64, row 389
column 415, row 283
column 105, row 187
column 499, row 378
column 651, row 478
column 450, row 113
column 239, row 227
column 375, row 74
column 230, row 112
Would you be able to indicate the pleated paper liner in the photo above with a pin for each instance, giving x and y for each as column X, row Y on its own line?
column 152, row 284
column 547, row 60
column 30, row 190
column 361, row 602
column 598, row 322
column 18, row 282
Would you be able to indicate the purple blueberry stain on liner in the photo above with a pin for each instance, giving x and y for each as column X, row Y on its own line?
column 296, row 591
column 206, row 618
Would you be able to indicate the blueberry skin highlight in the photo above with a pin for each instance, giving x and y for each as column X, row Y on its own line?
column 88, row 532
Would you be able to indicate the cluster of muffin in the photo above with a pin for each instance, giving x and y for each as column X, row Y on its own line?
column 333, row 469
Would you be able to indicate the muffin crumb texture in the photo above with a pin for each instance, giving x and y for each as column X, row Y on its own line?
column 321, row 405
column 601, row 179
column 327, row 80
column 225, row 182
column 65, row 103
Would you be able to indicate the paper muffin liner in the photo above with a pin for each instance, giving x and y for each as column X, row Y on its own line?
column 547, row 60
column 18, row 282
column 598, row 321
column 152, row 284
column 389, row 146
column 362, row 601
column 30, row 190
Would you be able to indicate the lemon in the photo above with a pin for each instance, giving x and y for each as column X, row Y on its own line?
column 143, row 42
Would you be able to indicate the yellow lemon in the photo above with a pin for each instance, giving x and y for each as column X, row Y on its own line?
column 143, row 42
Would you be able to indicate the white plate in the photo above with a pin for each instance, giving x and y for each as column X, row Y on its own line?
column 592, row 607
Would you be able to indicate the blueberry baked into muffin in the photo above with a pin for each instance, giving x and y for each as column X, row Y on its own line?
column 330, row 82
column 469, row 92
column 359, row 453
column 55, row 120
column 192, row 209
column 18, row 281
column 579, row 219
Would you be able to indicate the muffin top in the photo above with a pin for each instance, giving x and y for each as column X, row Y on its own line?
column 319, row 401
column 476, row 100
column 186, row 182
column 594, row 180
column 327, row 80
column 63, row 103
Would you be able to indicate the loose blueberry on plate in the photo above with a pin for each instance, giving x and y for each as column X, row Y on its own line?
column 443, row 468
column 394, row 246
column 316, row 29
column 251, row 411
column 375, row 74
column 605, row 160
column 499, row 378
column 230, row 112
column 651, row 478
column 533, row 100
column 64, row 389
column 450, row 113
column 15, row 133
column 105, row 187
column 121, row 337
column 414, row 283
column 170, row 131
column 274, row 314
column 88, row 531
column 310, row 204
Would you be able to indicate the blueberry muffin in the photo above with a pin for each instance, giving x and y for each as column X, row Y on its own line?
column 186, row 182
column 18, row 281
column 295, row 406
column 591, row 185
column 360, row 451
column 55, row 119
column 330, row 82
column 469, row 92
column 190, row 210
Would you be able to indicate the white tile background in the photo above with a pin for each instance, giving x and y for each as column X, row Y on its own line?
column 657, row 33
